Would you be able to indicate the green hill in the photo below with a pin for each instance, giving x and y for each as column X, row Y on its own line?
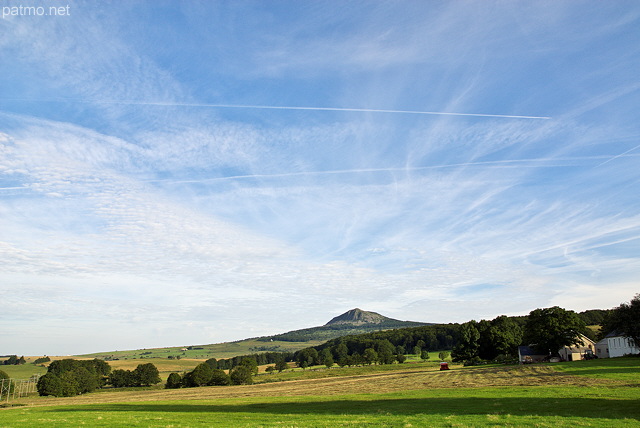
column 355, row 321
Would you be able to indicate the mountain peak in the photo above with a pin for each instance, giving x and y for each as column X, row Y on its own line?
column 358, row 317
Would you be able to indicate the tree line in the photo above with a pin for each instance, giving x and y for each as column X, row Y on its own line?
column 548, row 329
column 494, row 339
column 210, row 373
column 13, row 360
column 69, row 377
column 260, row 358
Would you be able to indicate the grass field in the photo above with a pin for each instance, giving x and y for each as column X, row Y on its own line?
column 218, row 350
column 598, row 393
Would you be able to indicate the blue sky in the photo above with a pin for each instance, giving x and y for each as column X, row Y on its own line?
column 453, row 161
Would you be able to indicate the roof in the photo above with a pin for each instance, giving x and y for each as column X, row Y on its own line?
column 616, row 334
column 527, row 350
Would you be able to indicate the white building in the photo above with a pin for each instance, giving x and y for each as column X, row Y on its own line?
column 615, row 345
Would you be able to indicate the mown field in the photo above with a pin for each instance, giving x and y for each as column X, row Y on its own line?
column 165, row 366
column 598, row 393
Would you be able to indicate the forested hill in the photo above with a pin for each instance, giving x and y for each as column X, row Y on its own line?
column 355, row 321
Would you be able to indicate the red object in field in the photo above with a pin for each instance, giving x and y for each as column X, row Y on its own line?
column 444, row 366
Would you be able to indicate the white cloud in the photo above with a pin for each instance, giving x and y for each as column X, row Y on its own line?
column 186, row 224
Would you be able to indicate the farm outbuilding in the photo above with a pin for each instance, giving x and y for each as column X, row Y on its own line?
column 585, row 348
column 528, row 355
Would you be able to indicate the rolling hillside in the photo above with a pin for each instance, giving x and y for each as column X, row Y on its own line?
column 355, row 321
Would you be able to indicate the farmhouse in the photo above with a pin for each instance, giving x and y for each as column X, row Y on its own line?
column 614, row 345
column 586, row 347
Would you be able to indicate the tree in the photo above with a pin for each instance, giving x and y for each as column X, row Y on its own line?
column 386, row 352
column 625, row 320
column 146, row 374
column 219, row 377
column 4, row 377
column 550, row 329
column 443, row 355
column 424, row 355
column 340, row 352
column 13, row 360
column 70, row 384
column 307, row 357
column 417, row 350
column 174, row 381
column 326, row 357
column 251, row 364
column 49, row 384
column 121, row 378
column 281, row 365
column 468, row 344
column 505, row 334
column 370, row 356
column 69, row 377
column 241, row 375
column 201, row 375
column 212, row 362
column 401, row 358
column 86, row 380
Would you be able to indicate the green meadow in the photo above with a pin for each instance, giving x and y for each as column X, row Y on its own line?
column 598, row 393
column 203, row 352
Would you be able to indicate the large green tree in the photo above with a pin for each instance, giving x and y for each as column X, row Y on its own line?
column 468, row 342
column 147, row 374
column 201, row 375
column 625, row 319
column 551, row 329
column 505, row 335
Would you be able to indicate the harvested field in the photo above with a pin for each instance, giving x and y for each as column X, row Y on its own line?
column 387, row 382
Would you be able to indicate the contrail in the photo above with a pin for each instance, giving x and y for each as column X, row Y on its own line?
column 273, row 107
column 362, row 110
column 618, row 156
column 507, row 163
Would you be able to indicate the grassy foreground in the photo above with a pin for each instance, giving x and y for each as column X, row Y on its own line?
column 600, row 393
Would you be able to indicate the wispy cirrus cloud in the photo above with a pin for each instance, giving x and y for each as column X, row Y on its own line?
column 166, row 183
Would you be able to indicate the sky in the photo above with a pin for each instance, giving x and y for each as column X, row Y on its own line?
column 181, row 173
